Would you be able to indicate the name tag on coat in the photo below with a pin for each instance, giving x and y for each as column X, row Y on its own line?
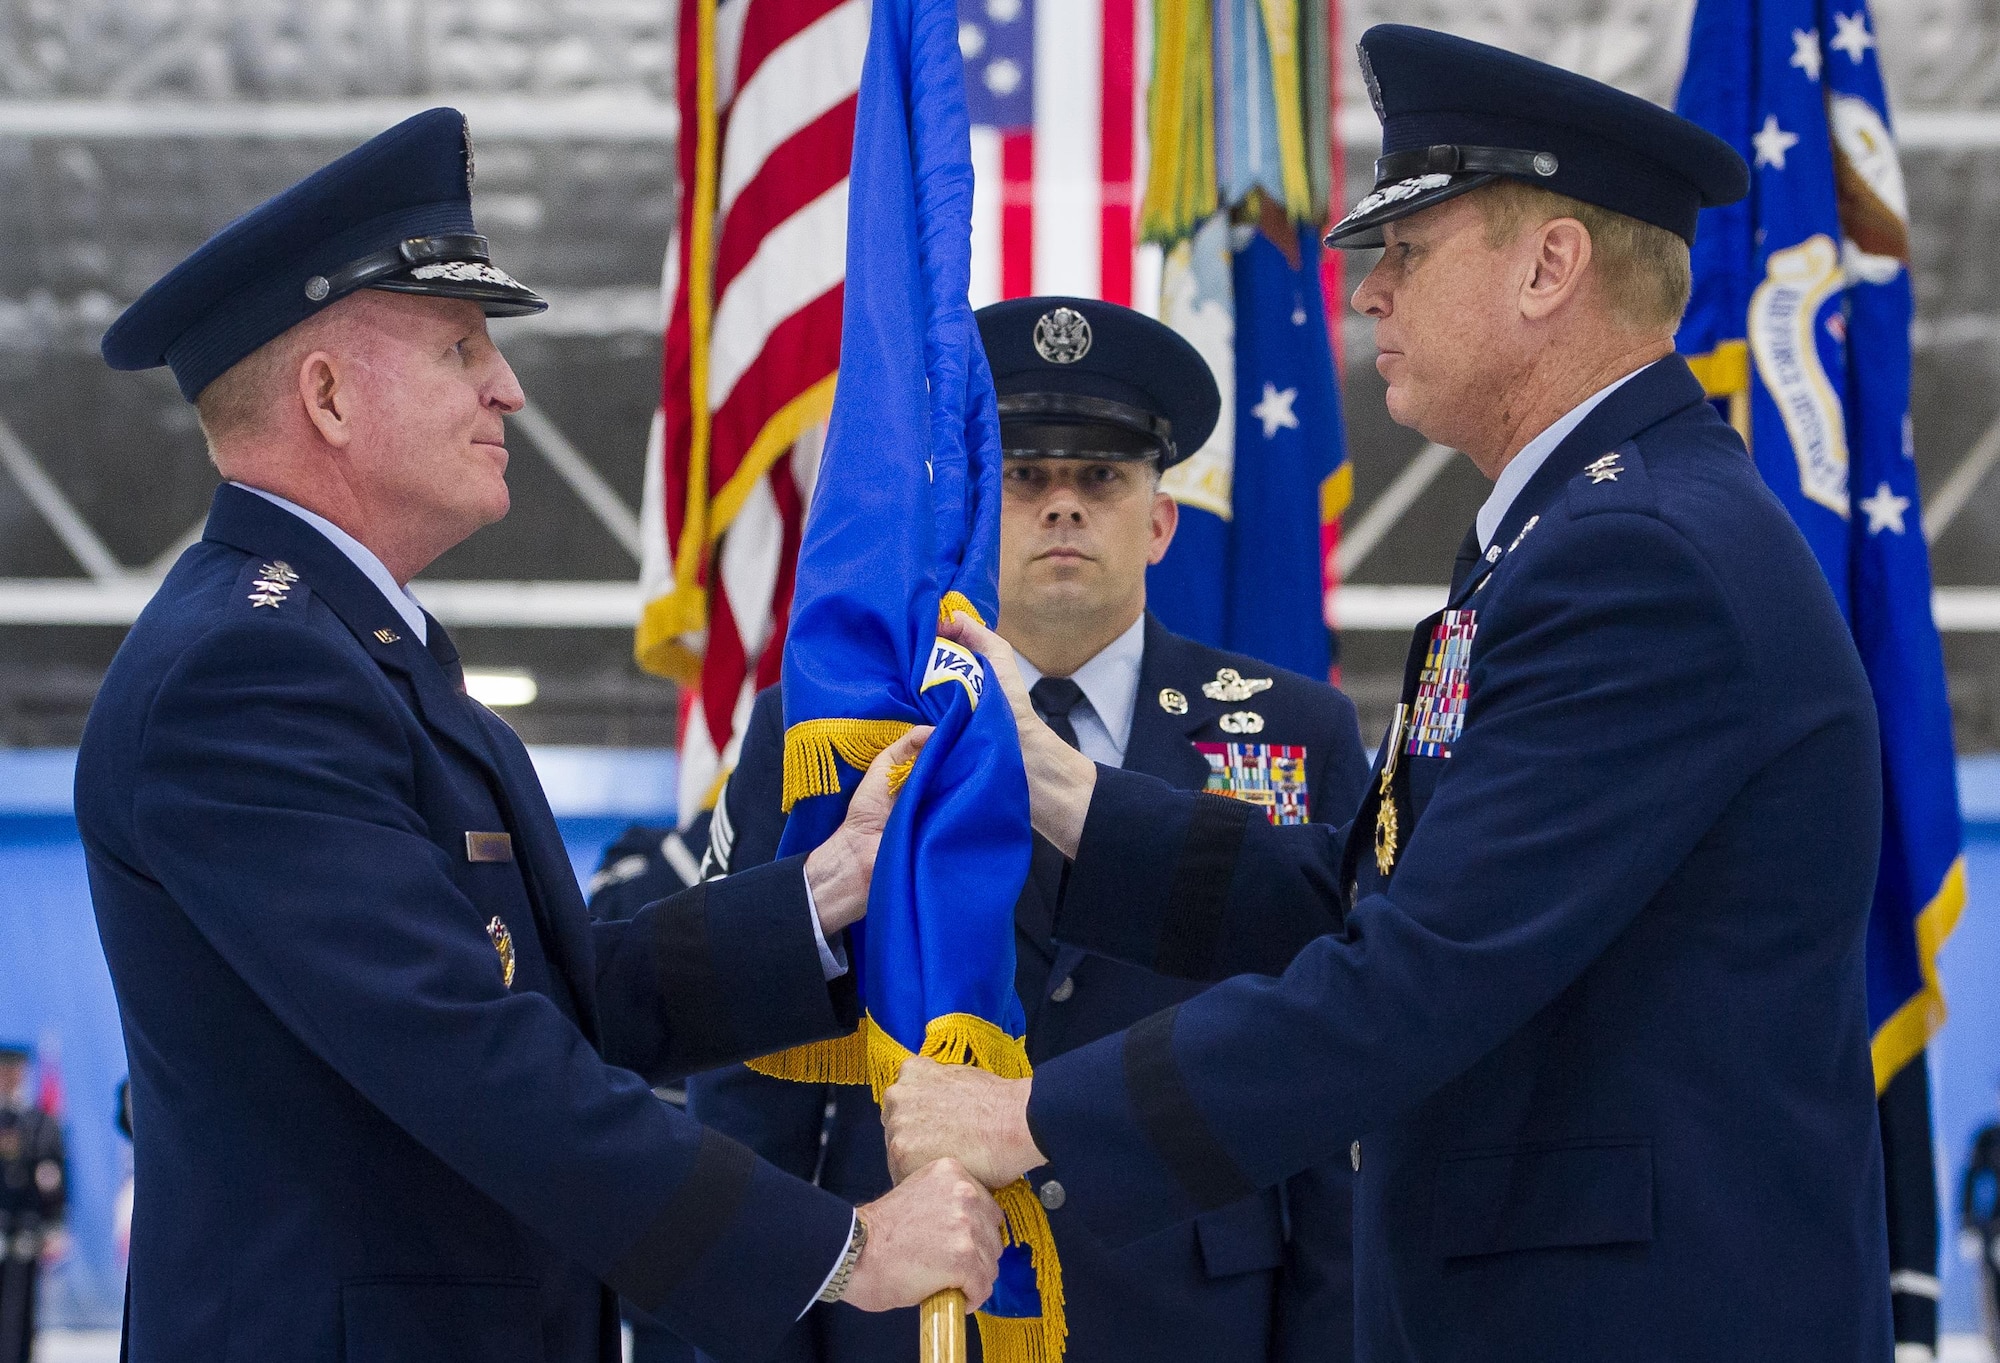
column 489, row 847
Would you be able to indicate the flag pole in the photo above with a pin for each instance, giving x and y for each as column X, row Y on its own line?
column 941, row 1328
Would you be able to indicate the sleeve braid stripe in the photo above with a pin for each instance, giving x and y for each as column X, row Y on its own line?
column 1167, row 1113
column 1199, row 891
column 694, row 1218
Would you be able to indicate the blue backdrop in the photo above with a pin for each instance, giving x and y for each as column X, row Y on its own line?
column 53, row 983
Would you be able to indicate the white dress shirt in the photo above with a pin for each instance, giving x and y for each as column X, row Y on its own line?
column 1110, row 684
column 1529, row 461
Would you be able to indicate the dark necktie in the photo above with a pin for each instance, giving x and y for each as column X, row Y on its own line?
column 1054, row 698
column 1468, row 558
column 444, row 651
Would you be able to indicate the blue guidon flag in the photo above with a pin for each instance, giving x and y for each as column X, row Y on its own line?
column 1800, row 323
column 904, row 529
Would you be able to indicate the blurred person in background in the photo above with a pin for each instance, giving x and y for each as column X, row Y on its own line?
column 33, row 1187
column 1979, row 1225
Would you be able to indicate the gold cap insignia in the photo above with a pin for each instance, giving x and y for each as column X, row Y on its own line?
column 1172, row 701
column 1242, row 722
column 1229, row 684
column 503, row 943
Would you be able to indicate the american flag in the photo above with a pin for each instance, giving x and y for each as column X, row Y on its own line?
column 753, row 296
column 753, row 291
column 1057, row 119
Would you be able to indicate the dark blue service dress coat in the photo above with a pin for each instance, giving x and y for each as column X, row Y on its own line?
column 386, row 1072
column 1267, row 1276
column 1597, row 1044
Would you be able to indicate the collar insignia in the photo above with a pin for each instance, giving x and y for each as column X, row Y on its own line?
column 1532, row 521
column 1232, row 685
column 1172, row 701
column 1604, row 470
column 274, row 583
column 387, row 636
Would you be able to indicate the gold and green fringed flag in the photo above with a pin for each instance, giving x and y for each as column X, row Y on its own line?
column 1180, row 123
column 1316, row 90
column 1281, row 32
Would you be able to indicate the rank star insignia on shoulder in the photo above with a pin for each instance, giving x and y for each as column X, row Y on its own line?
column 1229, row 684
column 1605, row 469
column 274, row 583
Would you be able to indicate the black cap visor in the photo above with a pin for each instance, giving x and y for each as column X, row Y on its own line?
column 447, row 266
column 1072, row 426
column 496, row 291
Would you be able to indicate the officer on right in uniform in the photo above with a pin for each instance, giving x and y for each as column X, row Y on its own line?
column 1592, row 1028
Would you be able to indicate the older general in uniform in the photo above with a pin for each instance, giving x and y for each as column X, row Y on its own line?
column 386, row 1073
column 1095, row 401
column 1592, row 1031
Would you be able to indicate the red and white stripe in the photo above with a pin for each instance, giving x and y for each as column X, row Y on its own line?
column 786, row 75
column 1055, row 205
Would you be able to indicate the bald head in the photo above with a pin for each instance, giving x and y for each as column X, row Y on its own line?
column 384, row 413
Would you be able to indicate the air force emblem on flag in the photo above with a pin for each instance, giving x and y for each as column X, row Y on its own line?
column 951, row 662
column 1438, row 715
column 1270, row 775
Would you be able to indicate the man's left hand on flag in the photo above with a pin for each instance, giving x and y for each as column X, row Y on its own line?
column 838, row 870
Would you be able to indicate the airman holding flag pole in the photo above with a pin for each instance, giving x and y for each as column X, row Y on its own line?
column 1593, row 1029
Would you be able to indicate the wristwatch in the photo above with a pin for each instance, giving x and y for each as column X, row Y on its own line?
column 836, row 1286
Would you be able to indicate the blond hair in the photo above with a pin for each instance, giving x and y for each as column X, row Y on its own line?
column 238, row 401
column 1645, row 270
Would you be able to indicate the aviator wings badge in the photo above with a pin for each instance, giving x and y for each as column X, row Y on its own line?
column 1229, row 684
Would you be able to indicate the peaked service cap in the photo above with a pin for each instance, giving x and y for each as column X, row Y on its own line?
column 1060, row 361
column 1458, row 114
column 395, row 213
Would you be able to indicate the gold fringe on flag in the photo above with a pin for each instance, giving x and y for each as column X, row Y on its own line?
column 952, row 603
column 1725, row 373
column 1903, row 1036
column 814, row 749
column 1180, row 123
column 870, row 1056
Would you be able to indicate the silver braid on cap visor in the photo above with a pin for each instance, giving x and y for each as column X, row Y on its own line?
column 451, row 249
